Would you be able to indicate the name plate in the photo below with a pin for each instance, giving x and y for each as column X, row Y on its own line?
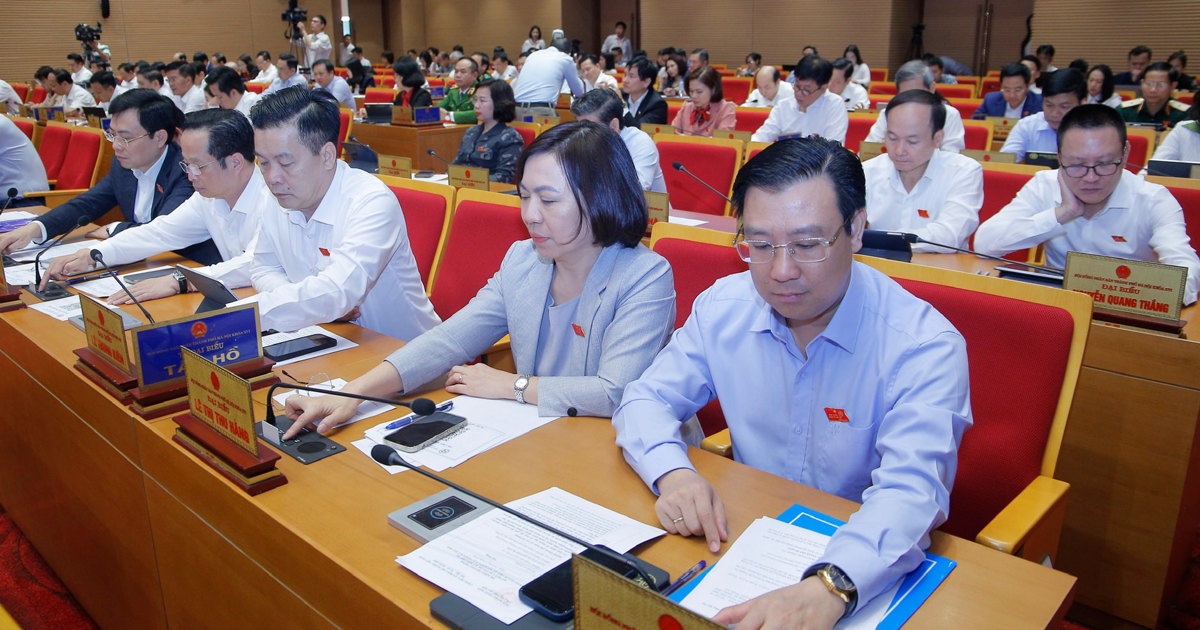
column 1131, row 286
column 105, row 334
column 221, row 400
column 226, row 337
column 24, row 110
column 868, row 150
column 985, row 157
column 659, row 208
column 545, row 121
column 605, row 601
column 652, row 129
column 395, row 165
column 731, row 134
column 416, row 115
column 1001, row 125
column 437, row 92
column 473, row 177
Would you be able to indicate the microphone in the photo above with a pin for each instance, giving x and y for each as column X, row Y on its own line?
column 419, row 406
column 680, row 167
column 388, row 456
column 53, row 290
column 433, row 153
column 12, row 196
column 913, row 238
column 98, row 257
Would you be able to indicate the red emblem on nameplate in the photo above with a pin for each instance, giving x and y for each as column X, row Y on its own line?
column 667, row 622
column 924, row 214
column 216, row 382
column 101, row 316
column 836, row 415
column 1117, row 238
column 324, row 252
column 199, row 329
column 1123, row 272
column 578, row 330
column 467, row 174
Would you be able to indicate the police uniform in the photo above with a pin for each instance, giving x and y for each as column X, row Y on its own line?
column 496, row 150
column 461, row 104
column 1134, row 111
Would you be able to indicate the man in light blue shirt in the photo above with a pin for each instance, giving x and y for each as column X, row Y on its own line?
column 289, row 74
column 828, row 373
column 325, row 79
column 1065, row 89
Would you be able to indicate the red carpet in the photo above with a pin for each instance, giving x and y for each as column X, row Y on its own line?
column 29, row 590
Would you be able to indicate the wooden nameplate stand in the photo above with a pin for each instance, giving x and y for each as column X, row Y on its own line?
column 105, row 375
column 157, row 402
column 254, row 474
column 11, row 300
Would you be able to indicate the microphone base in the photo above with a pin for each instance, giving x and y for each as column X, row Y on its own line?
column 53, row 291
column 305, row 448
column 437, row 514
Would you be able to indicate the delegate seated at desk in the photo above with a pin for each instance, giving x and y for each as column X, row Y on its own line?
column 586, row 304
column 218, row 158
column 828, row 373
column 492, row 144
column 143, row 179
column 1093, row 204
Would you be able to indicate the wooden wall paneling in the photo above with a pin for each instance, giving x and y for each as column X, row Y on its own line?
column 727, row 33
column 366, row 20
column 580, row 20
column 950, row 29
column 490, row 23
column 1103, row 31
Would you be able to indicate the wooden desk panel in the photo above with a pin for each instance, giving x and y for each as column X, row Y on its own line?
column 414, row 142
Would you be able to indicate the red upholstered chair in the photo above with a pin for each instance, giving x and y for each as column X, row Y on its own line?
column 879, row 74
column 26, row 126
column 753, row 149
column 437, row 82
column 341, row 72
column 965, row 106
column 989, row 85
column 379, row 95
column 257, row 88
column 713, row 160
column 876, row 99
column 698, row 257
column 673, row 108
column 1187, row 193
column 956, row 91
column 481, row 230
column 80, row 166
column 426, row 208
column 737, row 89
column 388, row 81
column 39, row 95
column 978, row 134
column 1139, row 153
column 53, row 149
column 345, row 121
column 751, row 118
column 22, row 91
column 882, row 88
column 1001, row 183
column 527, row 134
column 860, row 126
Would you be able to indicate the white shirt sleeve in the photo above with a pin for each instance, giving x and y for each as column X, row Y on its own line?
column 1027, row 221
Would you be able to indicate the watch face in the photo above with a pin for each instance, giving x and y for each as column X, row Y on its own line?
column 839, row 579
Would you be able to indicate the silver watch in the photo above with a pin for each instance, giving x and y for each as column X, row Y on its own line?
column 519, row 387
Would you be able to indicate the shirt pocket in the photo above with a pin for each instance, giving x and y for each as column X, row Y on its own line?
column 844, row 453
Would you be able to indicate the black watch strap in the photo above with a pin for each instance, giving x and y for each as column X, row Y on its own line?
column 182, row 280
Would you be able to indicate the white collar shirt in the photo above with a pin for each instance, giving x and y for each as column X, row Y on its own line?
column 943, row 207
column 147, row 181
column 826, row 118
column 954, row 135
column 1031, row 134
column 645, row 159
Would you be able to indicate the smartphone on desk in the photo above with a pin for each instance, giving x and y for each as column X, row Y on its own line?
column 293, row 348
column 552, row 594
column 422, row 432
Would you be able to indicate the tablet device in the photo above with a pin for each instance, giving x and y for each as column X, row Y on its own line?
column 216, row 295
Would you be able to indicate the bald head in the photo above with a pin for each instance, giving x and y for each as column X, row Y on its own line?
column 767, row 81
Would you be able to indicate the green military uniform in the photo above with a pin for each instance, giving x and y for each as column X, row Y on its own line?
column 461, row 103
column 1135, row 111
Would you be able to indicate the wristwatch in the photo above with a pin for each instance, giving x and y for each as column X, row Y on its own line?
column 519, row 387
column 837, row 582
column 183, row 283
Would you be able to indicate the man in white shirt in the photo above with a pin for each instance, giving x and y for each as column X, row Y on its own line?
column 1038, row 133
column 317, row 44
column 79, row 70
column 267, row 72
column 326, row 80
column 229, row 92
column 915, row 187
column 103, row 88
column 10, row 98
column 20, row 166
column 618, row 39
column 589, row 71
column 218, row 157
column 606, row 108
column 188, row 97
column 151, row 79
column 766, row 92
column 504, row 70
column 1091, row 203
column 289, row 74
column 345, row 51
column 541, row 79
column 66, row 93
column 334, row 245
column 813, row 111
column 126, row 74
column 853, row 95
column 915, row 75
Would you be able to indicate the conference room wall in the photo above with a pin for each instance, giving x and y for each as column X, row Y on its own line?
column 951, row 27
column 1103, row 31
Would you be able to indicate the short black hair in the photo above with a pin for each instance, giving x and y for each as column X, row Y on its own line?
column 504, row 104
column 219, row 58
column 814, row 53
column 1162, row 66
column 409, row 71
column 474, row 66
column 62, row 76
column 320, row 17
column 229, row 132
column 814, row 68
column 1034, row 60
column 605, row 104
column 937, row 111
column 702, row 53
column 1065, row 81
column 42, row 72
column 324, row 63
column 105, row 78
column 1080, row 64
column 1180, row 55
column 1046, row 49
column 265, row 54
column 755, row 57
column 621, row 24
column 1141, row 50
column 200, row 57
column 225, row 80
column 155, row 111
column 184, row 69
column 843, row 65
column 601, row 175
column 500, row 56
column 314, row 113
column 290, row 60
column 1093, row 116
column 76, row 57
column 794, row 160
column 127, row 67
column 487, row 61
column 709, row 76
column 1015, row 70
column 152, row 76
column 643, row 67
column 934, row 60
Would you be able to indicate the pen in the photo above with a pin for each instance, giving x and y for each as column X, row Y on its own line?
column 685, row 578
column 407, row 420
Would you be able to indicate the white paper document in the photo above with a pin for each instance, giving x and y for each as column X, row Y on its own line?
column 61, row 309
column 342, row 344
column 365, row 410
column 19, row 274
column 488, row 559
column 100, row 287
column 62, row 249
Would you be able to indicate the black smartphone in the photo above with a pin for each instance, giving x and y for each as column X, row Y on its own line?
column 285, row 350
column 420, row 433
column 552, row 594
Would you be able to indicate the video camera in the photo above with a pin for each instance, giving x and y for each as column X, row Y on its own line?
column 85, row 33
column 294, row 16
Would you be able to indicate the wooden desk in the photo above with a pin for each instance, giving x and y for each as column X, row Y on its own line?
column 413, row 142
column 1130, row 455
column 146, row 536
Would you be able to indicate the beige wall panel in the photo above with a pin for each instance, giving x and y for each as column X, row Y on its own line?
column 490, row 23
column 366, row 22
column 1103, row 31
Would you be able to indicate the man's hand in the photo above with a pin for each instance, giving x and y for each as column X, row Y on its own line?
column 19, row 237
column 99, row 233
column 482, row 381
column 64, row 266
column 150, row 289
column 687, row 505
column 807, row 605
column 327, row 411
column 1071, row 207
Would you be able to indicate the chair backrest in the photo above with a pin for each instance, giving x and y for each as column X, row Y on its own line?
column 437, row 82
column 978, row 134
column 53, row 149
column 856, row 132
column 965, row 106
column 989, row 84
column 1142, row 141
column 673, row 108
column 879, row 74
column 483, row 227
column 426, row 208
column 345, row 121
column 753, row 148
column 379, row 95
column 1019, row 404
column 1187, row 193
column 257, row 88
column 388, row 81
column 39, row 95
column 882, row 88
column 341, row 72
column 80, row 167
column 956, row 91
column 26, row 125
column 876, row 99
column 713, row 160
column 22, row 91
column 527, row 134
column 737, row 89
column 999, row 188
column 751, row 118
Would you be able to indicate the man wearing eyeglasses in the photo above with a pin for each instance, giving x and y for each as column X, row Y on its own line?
column 1156, row 105
column 218, row 158
column 1093, row 204
column 828, row 374
column 143, row 179
column 814, row 112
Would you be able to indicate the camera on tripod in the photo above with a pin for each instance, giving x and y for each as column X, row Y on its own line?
column 294, row 16
column 87, row 35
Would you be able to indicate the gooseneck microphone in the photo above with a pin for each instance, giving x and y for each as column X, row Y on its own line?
column 99, row 258
column 388, row 456
column 913, row 238
column 682, row 169
column 432, row 153
column 53, row 290
column 12, row 196
column 419, row 406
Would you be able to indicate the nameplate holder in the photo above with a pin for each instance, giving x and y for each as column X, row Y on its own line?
column 96, row 122
column 10, row 296
column 437, row 92
column 564, row 100
column 416, row 116
column 732, row 134
column 219, row 426
column 868, row 150
column 990, row 157
column 1143, row 289
column 659, row 208
column 105, row 360
column 24, row 110
column 545, row 121
column 605, row 600
column 1001, row 125
column 654, row 129
column 473, row 177
column 395, row 166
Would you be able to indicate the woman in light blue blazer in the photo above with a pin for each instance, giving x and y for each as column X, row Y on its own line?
column 587, row 306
